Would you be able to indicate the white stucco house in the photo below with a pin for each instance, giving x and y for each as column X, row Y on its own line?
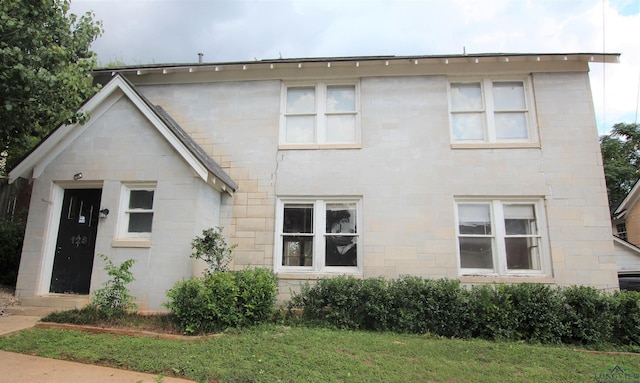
column 485, row 168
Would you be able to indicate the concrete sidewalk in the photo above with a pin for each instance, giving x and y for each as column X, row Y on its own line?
column 20, row 368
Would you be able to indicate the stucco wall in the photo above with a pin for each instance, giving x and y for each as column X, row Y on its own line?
column 122, row 146
column 407, row 173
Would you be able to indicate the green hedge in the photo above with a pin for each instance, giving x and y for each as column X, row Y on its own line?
column 11, row 237
column 223, row 299
column 529, row 312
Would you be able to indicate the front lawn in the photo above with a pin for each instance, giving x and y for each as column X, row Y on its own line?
column 272, row 353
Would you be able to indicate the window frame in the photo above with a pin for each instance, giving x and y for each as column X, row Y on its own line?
column 125, row 212
column 488, row 111
column 320, row 115
column 498, row 236
column 318, row 234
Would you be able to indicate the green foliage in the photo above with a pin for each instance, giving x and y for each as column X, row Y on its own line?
column 258, row 289
column 588, row 315
column 45, row 70
column 223, row 299
column 212, row 248
column 114, row 298
column 626, row 328
column 535, row 313
column 621, row 159
column 11, row 237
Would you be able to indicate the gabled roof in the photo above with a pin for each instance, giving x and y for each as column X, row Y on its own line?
column 204, row 166
column 620, row 210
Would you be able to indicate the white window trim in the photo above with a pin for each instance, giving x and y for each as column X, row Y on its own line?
column 488, row 109
column 320, row 114
column 319, row 207
column 124, row 211
column 498, row 236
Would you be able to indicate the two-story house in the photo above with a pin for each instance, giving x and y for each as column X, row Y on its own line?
column 484, row 168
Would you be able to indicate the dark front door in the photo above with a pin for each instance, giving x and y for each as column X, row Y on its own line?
column 76, row 241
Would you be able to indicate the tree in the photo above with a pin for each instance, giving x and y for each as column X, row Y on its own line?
column 45, row 70
column 621, row 159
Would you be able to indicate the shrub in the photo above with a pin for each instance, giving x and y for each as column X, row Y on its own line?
column 588, row 315
column 114, row 298
column 11, row 237
column 212, row 248
column 626, row 327
column 223, row 299
column 257, row 291
column 524, row 311
column 494, row 314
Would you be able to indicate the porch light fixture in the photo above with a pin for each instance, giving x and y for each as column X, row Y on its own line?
column 77, row 176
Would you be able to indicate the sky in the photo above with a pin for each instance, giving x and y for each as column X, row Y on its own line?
column 175, row 31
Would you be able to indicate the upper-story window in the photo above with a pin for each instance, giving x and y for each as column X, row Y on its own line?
column 621, row 230
column 491, row 110
column 320, row 114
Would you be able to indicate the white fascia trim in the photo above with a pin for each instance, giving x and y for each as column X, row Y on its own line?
column 629, row 200
column 43, row 154
column 620, row 242
column 38, row 160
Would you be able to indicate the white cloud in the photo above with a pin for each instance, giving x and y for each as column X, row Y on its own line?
column 225, row 30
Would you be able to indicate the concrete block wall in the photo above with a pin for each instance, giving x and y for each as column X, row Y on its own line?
column 122, row 146
column 407, row 173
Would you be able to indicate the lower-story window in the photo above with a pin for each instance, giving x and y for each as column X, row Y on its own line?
column 500, row 236
column 318, row 234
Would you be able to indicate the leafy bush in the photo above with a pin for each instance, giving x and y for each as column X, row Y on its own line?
column 223, row 299
column 11, row 237
column 626, row 328
column 257, row 291
column 212, row 248
column 114, row 298
column 588, row 315
column 529, row 312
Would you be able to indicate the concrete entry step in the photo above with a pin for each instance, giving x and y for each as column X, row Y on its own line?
column 55, row 301
column 31, row 311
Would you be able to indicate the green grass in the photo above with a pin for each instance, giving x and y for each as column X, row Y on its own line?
column 272, row 353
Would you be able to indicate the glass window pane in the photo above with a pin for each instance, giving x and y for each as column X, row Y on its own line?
column 341, row 250
column 341, row 98
column 509, row 95
column 297, row 251
column 476, row 253
column 140, row 222
column 511, row 126
column 474, row 219
column 522, row 253
column 467, row 126
column 466, row 96
column 301, row 100
column 341, row 128
column 300, row 129
column 520, row 220
column 141, row 199
column 341, row 218
column 298, row 219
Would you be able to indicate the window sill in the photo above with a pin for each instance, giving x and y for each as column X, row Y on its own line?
column 136, row 243
column 292, row 275
column 506, row 279
column 495, row 145
column 318, row 146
